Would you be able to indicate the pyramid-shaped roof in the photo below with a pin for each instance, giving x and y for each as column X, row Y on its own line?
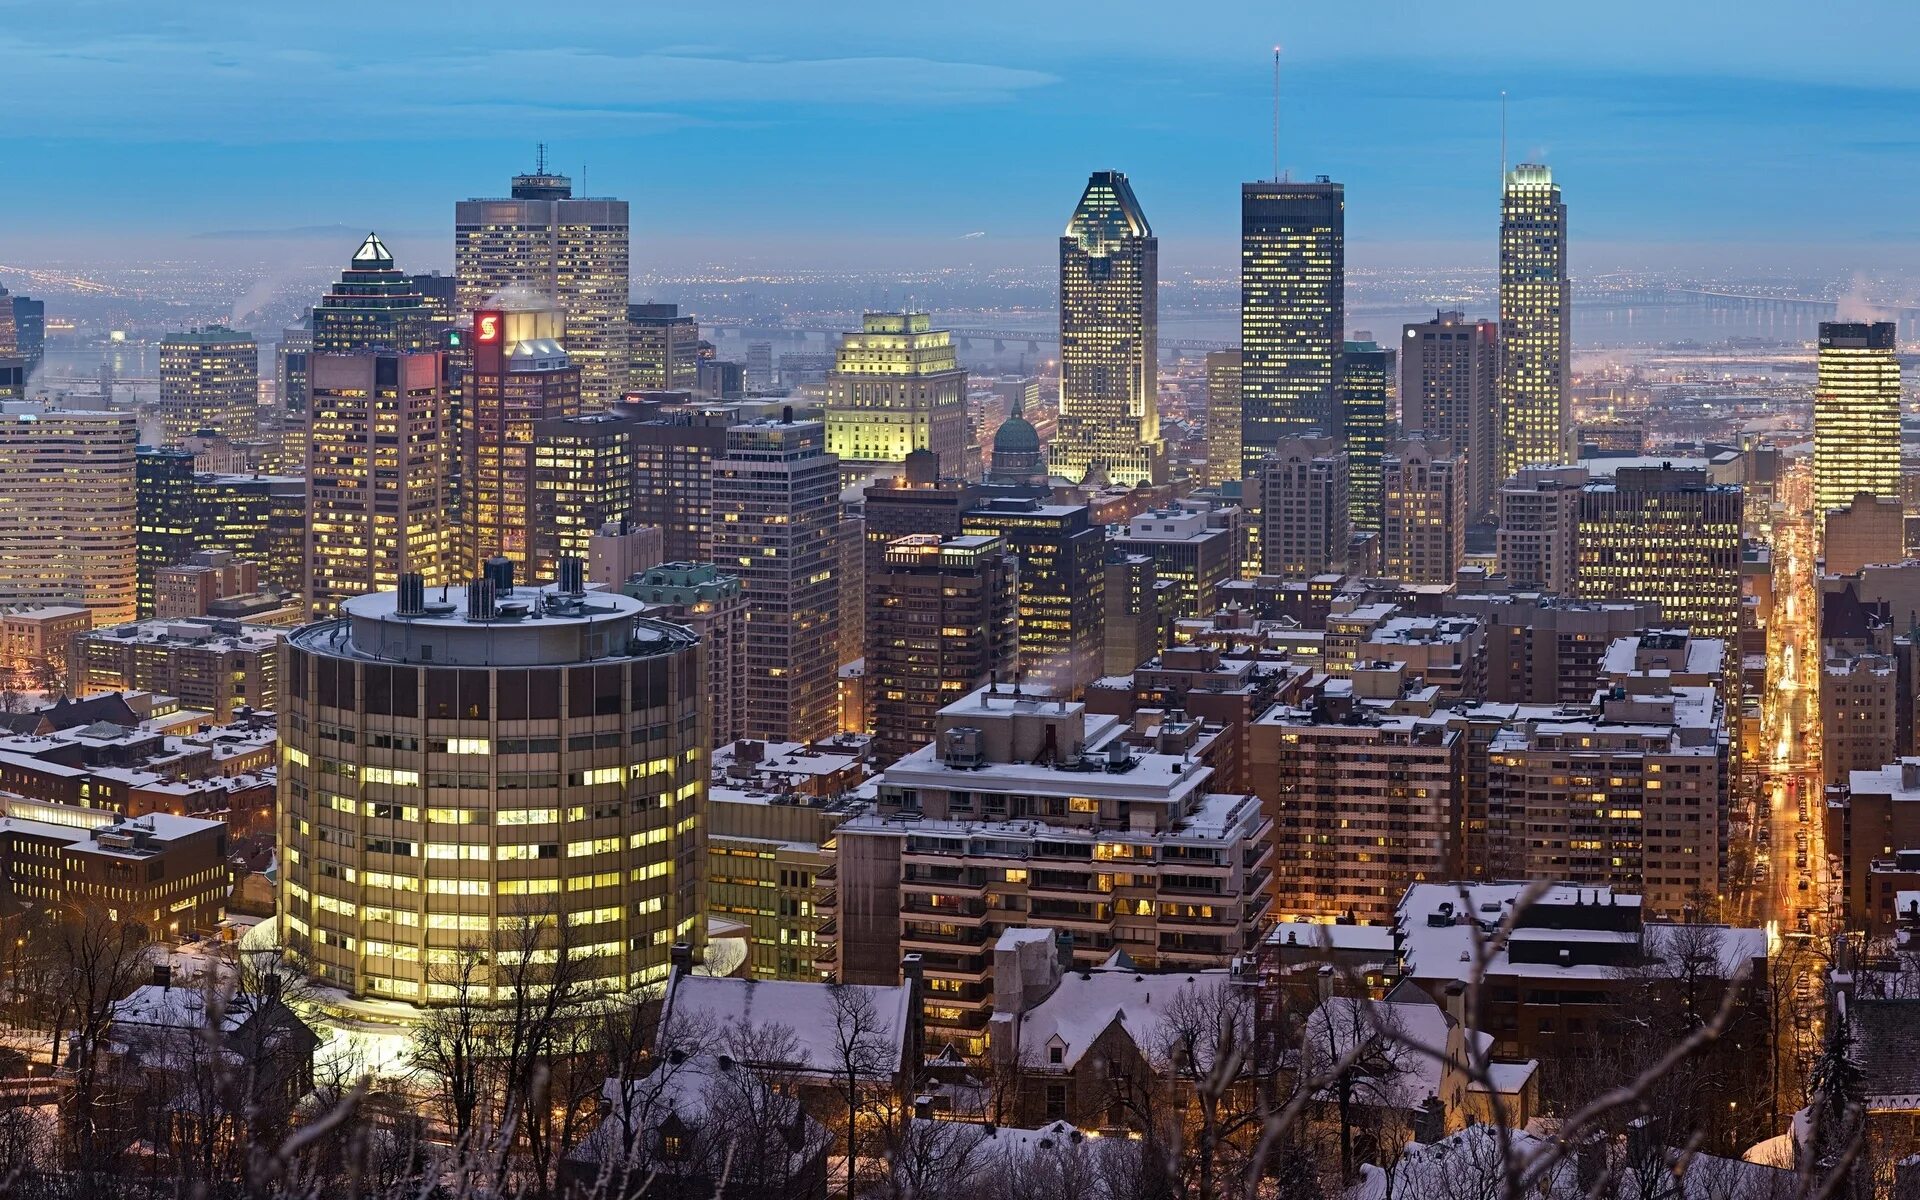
column 372, row 253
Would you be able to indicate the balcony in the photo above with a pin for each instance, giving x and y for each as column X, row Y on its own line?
column 963, row 910
column 961, row 939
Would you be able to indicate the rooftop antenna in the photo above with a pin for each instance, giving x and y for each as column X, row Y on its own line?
column 1503, row 139
column 540, row 159
column 1276, row 113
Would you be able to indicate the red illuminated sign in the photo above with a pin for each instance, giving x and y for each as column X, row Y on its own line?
column 486, row 327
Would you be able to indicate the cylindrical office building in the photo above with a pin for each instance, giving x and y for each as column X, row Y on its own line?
column 460, row 762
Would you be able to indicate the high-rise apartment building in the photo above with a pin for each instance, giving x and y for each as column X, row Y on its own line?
column 941, row 622
column 710, row 602
column 68, row 509
column 1423, row 532
column 1365, row 371
column 1856, row 415
column 1667, row 535
column 663, row 349
column 673, row 458
column 1539, row 516
column 209, row 380
column 521, row 375
column 1139, row 612
column 776, row 513
column 400, row 840
column 1062, row 588
column 1536, row 322
column 376, row 474
column 572, row 251
column 897, row 386
column 1195, row 547
column 1368, row 803
column 1109, row 339
column 1223, row 417
column 1035, row 815
column 1449, row 391
column 1292, row 311
column 919, row 499
column 1304, row 522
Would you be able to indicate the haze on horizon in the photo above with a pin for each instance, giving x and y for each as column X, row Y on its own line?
column 880, row 136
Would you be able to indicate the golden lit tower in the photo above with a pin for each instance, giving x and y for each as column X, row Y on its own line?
column 1293, row 264
column 1667, row 535
column 1536, row 311
column 1856, row 415
column 573, row 250
column 1109, row 339
column 896, row 387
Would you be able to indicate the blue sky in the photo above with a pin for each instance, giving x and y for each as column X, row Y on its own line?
column 860, row 134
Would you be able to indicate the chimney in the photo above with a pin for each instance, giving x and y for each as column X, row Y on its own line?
column 681, row 958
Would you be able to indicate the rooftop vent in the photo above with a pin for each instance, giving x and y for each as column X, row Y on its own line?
column 499, row 570
column 573, row 576
column 480, row 603
column 413, row 595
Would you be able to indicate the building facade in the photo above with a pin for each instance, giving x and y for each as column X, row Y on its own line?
column 897, row 386
column 1423, row 532
column 777, row 523
column 1856, row 415
column 573, row 251
column 521, row 376
column 1667, row 535
column 1109, row 339
column 1223, row 417
column 663, row 349
column 69, row 509
column 1293, row 252
column 1539, row 515
column 1365, row 375
column 209, row 380
column 712, row 603
column 522, row 771
column 1536, row 322
column 1449, row 391
column 1304, row 512
column 1062, row 588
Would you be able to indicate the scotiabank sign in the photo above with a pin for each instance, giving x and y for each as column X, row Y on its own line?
column 487, row 328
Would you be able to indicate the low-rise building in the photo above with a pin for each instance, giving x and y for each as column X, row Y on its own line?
column 36, row 642
column 167, row 873
column 219, row 666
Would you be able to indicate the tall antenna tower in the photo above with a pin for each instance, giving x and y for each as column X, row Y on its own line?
column 1276, row 113
column 540, row 159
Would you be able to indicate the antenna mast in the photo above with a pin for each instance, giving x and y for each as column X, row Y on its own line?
column 540, row 159
column 1276, row 114
column 1503, row 139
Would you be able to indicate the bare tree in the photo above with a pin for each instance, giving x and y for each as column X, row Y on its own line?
column 863, row 1052
column 98, row 960
column 450, row 1043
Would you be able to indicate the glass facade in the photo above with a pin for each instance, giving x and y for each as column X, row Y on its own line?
column 1536, row 312
column 1364, row 373
column 1292, row 311
column 1856, row 415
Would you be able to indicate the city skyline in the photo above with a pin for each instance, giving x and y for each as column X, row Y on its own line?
column 239, row 149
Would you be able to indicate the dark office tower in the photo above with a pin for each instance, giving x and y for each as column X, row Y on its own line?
column 13, row 364
column 582, row 479
column 570, row 250
column 1062, row 588
column 1536, row 330
column 209, row 380
column 917, row 500
column 941, row 622
column 776, row 505
column 1109, row 339
column 441, row 296
column 520, row 375
column 164, row 511
column 673, row 459
column 1666, row 535
column 663, row 349
column 290, row 369
column 1293, row 255
column 1365, row 370
column 1449, row 388
column 373, row 305
column 259, row 518
column 29, row 329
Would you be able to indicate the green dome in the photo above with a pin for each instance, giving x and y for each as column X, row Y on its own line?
column 1016, row 436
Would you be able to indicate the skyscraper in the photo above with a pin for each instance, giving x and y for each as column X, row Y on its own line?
column 941, row 622
column 1109, row 339
column 29, row 329
column 1364, row 372
column 1303, row 493
column 1292, row 311
column 166, row 524
column 376, row 473
column 1856, row 415
column 709, row 602
column 663, row 349
column 571, row 250
column 776, row 512
column 1664, row 534
column 582, row 480
column 1539, row 515
column 1062, row 588
column 1223, row 417
column 596, row 839
column 521, row 375
column 1536, row 322
column 897, row 386
column 68, row 509
column 1423, row 531
column 209, row 380
column 373, row 304
column 1449, row 391
column 673, row 458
